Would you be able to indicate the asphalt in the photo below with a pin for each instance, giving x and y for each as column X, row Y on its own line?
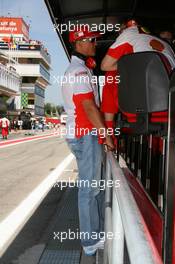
column 23, row 168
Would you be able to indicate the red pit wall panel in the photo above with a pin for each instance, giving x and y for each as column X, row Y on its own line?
column 151, row 215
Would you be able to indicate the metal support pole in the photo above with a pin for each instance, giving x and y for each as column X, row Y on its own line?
column 133, row 145
column 140, row 157
column 149, row 153
column 108, row 215
column 161, row 176
column 118, row 233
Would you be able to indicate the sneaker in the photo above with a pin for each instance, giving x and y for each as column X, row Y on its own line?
column 91, row 250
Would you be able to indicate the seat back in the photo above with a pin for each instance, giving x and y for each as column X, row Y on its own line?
column 144, row 83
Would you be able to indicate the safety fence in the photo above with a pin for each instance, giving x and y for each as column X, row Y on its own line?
column 124, row 220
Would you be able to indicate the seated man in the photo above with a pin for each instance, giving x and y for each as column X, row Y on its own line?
column 131, row 39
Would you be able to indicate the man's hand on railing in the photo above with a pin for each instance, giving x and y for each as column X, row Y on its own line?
column 109, row 143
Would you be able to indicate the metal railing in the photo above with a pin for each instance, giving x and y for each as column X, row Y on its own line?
column 124, row 220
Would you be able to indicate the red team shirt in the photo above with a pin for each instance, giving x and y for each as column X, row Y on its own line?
column 131, row 41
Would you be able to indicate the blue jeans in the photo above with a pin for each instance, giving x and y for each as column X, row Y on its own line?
column 88, row 154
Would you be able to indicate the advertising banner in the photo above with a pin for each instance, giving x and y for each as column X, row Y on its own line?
column 14, row 26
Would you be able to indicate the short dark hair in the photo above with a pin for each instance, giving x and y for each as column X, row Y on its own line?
column 124, row 20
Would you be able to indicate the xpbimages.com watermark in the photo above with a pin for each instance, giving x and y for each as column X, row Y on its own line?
column 72, row 235
column 97, row 184
column 94, row 27
column 84, row 78
column 101, row 132
column 71, row 132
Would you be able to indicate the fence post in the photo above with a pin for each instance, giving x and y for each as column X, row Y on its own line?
column 118, row 232
column 108, row 215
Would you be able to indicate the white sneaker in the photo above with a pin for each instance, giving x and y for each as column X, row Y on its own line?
column 91, row 250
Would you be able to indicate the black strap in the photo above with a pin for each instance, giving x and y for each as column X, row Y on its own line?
column 79, row 55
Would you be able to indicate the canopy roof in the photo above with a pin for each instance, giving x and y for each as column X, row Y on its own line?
column 153, row 14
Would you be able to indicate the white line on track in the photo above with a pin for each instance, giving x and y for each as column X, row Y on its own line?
column 26, row 141
column 14, row 222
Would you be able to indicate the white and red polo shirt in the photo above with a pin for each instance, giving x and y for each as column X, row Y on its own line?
column 131, row 41
column 78, row 85
column 4, row 122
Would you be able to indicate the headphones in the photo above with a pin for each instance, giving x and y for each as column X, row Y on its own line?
column 89, row 61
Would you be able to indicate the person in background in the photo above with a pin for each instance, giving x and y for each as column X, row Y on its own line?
column 4, row 125
column 167, row 36
column 43, row 124
column 132, row 39
column 36, row 125
column 20, row 123
column 33, row 126
column 15, row 125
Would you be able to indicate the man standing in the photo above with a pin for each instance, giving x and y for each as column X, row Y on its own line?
column 81, row 102
column 4, row 124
